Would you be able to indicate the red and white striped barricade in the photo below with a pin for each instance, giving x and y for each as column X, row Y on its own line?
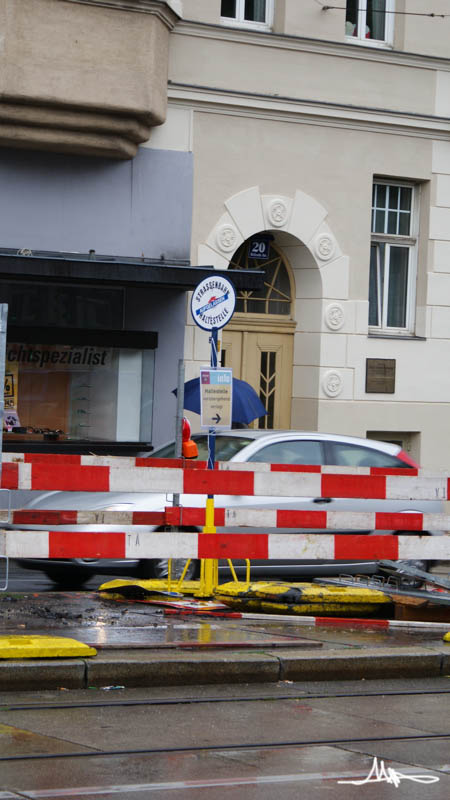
column 118, row 474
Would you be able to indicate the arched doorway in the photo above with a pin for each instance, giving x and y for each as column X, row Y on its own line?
column 258, row 342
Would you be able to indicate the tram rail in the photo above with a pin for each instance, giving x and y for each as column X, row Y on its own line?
column 173, row 701
column 210, row 748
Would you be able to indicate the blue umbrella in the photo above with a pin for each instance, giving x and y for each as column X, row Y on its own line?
column 246, row 405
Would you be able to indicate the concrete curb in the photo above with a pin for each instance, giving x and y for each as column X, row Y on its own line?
column 150, row 668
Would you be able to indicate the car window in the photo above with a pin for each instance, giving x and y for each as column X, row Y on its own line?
column 168, row 451
column 353, row 455
column 226, row 447
column 301, row 451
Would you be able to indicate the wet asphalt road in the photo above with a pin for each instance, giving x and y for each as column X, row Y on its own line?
column 268, row 741
column 26, row 580
column 284, row 741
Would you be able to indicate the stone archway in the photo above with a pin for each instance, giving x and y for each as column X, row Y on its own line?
column 258, row 343
column 320, row 274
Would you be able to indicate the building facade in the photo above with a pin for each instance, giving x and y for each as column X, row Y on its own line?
column 95, row 229
column 144, row 143
column 321, row 143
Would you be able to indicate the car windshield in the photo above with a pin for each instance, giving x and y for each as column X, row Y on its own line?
column 226, row 447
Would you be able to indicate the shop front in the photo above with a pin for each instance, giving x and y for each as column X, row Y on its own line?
column 83, row 373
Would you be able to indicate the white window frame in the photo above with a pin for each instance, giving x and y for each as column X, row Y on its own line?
column 360, row 38
column 240, row 22
column 390, row 240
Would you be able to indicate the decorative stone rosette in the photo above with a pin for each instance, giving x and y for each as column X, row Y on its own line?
column 278, row 213
column 325, row 247
column 334, row 316
column 227, row 238
column 332, row 383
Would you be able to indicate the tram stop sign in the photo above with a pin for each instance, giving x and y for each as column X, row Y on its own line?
column 216, row 397
column 213, row 301
column 212, row 306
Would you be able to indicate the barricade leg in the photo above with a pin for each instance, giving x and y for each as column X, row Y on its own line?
column 209, row 571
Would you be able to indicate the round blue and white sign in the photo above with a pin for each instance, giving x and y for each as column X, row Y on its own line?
column 213, row 302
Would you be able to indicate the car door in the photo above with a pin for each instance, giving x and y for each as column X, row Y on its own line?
column 351, row 455
column 287, row 450
column 284, row 450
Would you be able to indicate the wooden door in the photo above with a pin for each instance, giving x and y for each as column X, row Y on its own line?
column 265, row 361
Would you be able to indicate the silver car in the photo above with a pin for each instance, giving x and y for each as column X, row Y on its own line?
column 245, row 445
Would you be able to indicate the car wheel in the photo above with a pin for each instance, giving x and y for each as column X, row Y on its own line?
column 157, row 568
column 68, row 576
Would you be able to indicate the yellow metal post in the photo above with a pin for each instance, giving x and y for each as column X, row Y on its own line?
column 208, row 566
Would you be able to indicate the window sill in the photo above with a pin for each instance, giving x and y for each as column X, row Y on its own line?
column 374, row 43
column 265, row 27
column 403, row 336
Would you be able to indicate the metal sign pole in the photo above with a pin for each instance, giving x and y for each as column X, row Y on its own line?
column 179, row 420
column 3, row 325
column 212, row 431
column 210, row 567
column 180, row 407
column 212, row 306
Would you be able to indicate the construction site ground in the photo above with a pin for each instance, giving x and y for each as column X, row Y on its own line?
column 142, row 645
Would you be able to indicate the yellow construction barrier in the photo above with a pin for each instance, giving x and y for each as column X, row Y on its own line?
column 43, row 647
column 300, row 598
column 143, row 589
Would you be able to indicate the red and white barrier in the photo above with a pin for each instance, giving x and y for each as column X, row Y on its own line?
column 137, row 545
column 117, row 474
column 362, row 482
column 181, row 516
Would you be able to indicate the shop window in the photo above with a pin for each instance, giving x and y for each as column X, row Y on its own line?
column 78, row 385
column 393, row 258
column 370, row 21
column 248, row 13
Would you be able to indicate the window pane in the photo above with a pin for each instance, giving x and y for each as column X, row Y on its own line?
column 376, row 20
column 398, row 287
column 226, row 446
column 255, row 10
column 380, row 217
column 405, row 198
column 254, row 305
column 397, row 202
column 378, row 208
column 275, row 296
column 290, row 452
column 351, row 18
column 278, row 307
column 280, row 293
column 350, row 455
column 392, row 222
column 393, row 196
column 404, row 224
column 228, row 8
column 381, row 195
column 373, row 287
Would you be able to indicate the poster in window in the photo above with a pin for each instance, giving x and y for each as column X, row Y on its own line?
column 11, row 418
